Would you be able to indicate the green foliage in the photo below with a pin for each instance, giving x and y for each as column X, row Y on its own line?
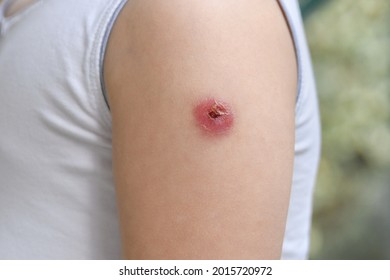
column 350, row 43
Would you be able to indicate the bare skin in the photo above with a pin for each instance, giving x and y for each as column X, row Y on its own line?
column 182, row 195
column 17, row 6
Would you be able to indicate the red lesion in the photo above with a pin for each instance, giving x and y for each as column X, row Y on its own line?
column 217, row 110
column 213, row 116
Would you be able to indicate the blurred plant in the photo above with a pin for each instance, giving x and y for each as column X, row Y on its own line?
column 309, row 6
column 349, row 42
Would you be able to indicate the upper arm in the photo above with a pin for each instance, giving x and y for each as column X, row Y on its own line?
column 183, row 193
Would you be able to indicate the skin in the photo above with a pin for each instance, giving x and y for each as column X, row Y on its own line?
column 182, row 194
column 17, row 6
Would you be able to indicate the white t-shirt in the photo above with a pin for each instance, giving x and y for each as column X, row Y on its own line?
column 57, row 196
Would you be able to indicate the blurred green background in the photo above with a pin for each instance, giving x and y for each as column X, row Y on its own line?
column 350, row 46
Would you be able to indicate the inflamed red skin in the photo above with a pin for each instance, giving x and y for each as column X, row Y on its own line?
column 214, row 117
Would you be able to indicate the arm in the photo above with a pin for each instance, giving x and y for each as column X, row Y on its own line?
column 185, row 192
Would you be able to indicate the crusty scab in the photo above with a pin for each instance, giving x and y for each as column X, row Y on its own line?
column 218, row 110
column 214, row 116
